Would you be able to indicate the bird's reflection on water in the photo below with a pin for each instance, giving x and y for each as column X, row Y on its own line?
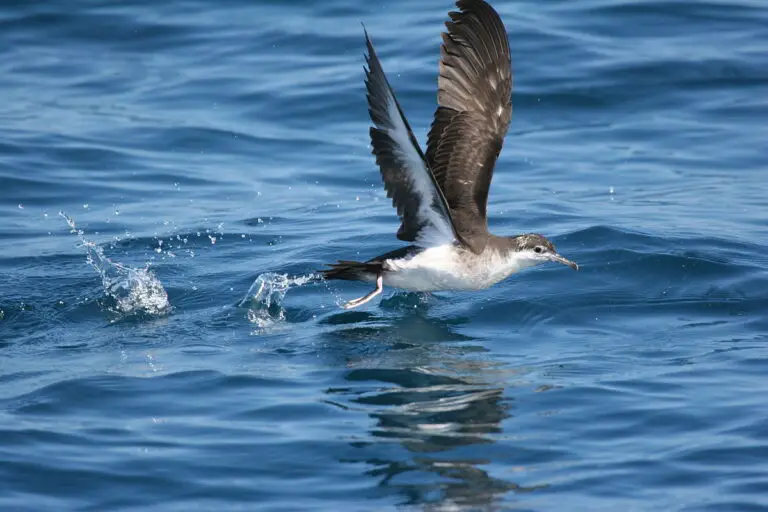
column 437, row 401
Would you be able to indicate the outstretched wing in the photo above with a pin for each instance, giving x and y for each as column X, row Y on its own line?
column 408, row 180
column 473, row 114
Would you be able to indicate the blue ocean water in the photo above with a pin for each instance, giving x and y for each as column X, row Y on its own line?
column 199, row 148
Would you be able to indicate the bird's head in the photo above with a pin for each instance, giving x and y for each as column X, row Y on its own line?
column 535, row 249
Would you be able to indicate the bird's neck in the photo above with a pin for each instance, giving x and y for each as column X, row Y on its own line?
column 503, row 261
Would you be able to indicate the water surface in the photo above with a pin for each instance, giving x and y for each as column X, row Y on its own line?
column 197, row 146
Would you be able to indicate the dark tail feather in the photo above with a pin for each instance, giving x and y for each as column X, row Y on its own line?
column 353, row 270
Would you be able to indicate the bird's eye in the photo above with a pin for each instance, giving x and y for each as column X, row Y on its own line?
column 539, row 249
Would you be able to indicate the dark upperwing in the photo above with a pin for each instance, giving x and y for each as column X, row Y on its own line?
column 473, row 114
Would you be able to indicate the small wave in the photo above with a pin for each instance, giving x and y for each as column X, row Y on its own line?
column 129, row 291
column 265, row 297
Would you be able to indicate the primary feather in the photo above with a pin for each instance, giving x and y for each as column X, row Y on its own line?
column 472, row 117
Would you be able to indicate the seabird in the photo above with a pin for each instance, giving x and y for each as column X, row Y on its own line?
column 441, row 197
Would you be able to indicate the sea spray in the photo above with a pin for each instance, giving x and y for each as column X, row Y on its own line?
column 265, row 297
column 129, row 291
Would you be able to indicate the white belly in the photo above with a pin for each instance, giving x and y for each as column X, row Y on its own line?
column 445, row 268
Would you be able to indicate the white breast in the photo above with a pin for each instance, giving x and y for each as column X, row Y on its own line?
column 447, row 268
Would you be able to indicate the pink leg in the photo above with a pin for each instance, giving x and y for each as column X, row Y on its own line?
column 362, row 300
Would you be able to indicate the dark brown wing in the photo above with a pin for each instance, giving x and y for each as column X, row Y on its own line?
column 407, row 178
column 473, row 114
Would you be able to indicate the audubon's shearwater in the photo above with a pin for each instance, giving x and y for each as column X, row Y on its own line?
column 441, row 197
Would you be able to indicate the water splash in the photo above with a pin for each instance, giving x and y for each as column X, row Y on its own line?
column 265, row 297
column 129, row 291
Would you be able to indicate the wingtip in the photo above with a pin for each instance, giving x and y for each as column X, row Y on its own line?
column 469, row 4
column 371, row 52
